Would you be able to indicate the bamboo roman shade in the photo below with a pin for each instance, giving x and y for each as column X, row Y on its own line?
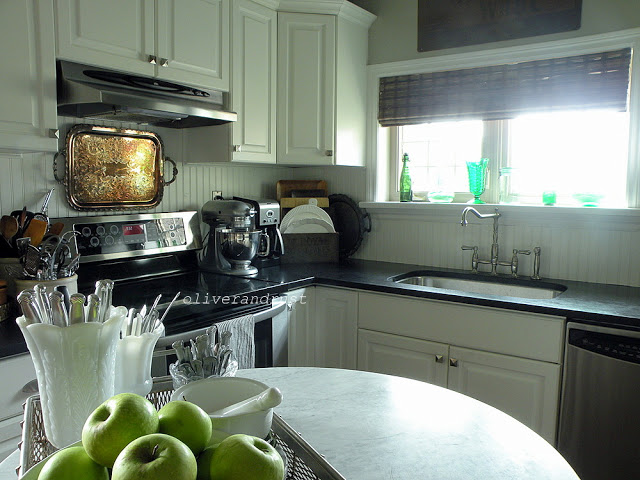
column 599, row 80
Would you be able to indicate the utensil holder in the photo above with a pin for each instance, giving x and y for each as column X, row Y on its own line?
column 133, row 362
column 70, row 282
column 75, row 368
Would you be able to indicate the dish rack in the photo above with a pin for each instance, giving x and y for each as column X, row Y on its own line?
column 302, row 461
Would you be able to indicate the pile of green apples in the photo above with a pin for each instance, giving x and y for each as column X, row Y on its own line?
column 126, row 438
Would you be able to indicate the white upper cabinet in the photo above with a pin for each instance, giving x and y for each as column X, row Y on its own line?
column 193, row 42
column 184, row 41
column 254, row 79
column 322, row 83
column 28, row 82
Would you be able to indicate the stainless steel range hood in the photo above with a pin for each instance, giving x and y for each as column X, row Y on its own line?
column 98, row 93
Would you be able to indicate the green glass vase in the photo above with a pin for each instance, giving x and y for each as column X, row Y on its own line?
column 477, row 178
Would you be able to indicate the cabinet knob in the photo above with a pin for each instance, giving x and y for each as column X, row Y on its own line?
column 54, row 133
column 439, row 359
column 453, row 362
column 328, row 153
column 164, row 62
column 237, row 148
column 290, row 306
column 152, row 59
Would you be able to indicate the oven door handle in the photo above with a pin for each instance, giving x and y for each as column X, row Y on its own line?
column 278, row 305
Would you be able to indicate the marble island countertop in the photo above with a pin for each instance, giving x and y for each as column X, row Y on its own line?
column 370, row 426
column 595, row 303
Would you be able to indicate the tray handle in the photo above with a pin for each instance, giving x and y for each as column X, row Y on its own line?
column 174, row 171
column 61, row 153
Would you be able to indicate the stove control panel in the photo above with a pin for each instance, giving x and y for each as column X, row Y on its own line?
column 128, row 235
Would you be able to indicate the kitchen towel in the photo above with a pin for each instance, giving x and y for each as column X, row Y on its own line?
column 242, row 340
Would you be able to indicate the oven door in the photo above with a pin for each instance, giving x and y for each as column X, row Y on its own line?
column 270, row 336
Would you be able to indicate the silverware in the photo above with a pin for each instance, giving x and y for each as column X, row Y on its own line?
column 59, row 315
column 130, row 316
column 76, row 312
column 43, row 302
column 104, row 291
column 29, row 306
column 168, row 307
column 93, row 308
column 65, row 294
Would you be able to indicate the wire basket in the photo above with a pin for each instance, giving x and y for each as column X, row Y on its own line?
column 302, row 461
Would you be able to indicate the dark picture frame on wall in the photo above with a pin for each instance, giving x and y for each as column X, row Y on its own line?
column 456, row 23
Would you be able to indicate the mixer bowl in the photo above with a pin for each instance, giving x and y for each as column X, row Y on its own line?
column 239, row 247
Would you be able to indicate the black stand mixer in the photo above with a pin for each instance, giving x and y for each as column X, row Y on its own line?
column 233, row 239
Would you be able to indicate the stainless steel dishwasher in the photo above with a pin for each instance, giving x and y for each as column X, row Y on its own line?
column 599, row 432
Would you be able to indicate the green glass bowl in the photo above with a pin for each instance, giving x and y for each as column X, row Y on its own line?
column 588, row 199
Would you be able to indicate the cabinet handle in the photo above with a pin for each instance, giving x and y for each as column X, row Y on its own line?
column 328, row 153
column 290, row 306
column 237, row 148
column 453, row 362
column 439, row 359
column 54, row 133
column 152, row 59
column 164, row 62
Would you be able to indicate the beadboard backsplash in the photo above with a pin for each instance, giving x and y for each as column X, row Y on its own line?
column 589, row 246
column 24, row 180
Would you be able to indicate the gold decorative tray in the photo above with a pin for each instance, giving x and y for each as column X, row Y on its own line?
column 113, row 169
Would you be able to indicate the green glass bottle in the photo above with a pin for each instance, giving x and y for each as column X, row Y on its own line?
column 406, row 193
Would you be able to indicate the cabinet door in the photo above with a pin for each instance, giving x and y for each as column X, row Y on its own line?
column 528, row 390
column 300, row 304
column 306, row 88
column 336, row 328
column 117, row 34
column 402, row 356
column 193, row 42
column 28, row 80
column 253, row 93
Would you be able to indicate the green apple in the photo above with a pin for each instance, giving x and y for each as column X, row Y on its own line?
column 115, row 423
column 155, row 457
column 187, row 422
column 204, row 462
column 72, row 462
column 244, row 457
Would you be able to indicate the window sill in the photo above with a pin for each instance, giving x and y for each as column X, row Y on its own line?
column 513, row 214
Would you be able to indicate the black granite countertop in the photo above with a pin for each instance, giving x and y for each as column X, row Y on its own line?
column 611, row 305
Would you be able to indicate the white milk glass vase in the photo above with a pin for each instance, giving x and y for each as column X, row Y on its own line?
column 75, row 368
column 133, row 362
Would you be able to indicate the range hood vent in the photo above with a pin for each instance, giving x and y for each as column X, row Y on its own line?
column 91, row 92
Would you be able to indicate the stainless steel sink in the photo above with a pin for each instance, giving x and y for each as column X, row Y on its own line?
column 505, row 287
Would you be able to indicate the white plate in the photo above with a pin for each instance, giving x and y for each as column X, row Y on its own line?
column 309, row 225
column 304, row 211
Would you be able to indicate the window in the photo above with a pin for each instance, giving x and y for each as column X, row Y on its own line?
column 559, row 125
column 579, row 156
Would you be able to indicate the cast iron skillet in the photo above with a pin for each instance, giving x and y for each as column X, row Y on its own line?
column 349, row 221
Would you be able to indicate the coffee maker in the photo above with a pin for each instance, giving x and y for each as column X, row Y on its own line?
column 233, row 238
column 267, row 220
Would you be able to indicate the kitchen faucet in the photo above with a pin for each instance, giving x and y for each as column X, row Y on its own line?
column 494, row 245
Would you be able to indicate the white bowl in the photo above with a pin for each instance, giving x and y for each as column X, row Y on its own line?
column 214, row 393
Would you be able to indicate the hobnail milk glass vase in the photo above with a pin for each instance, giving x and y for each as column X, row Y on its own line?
column 477, row 178
column 75, row 368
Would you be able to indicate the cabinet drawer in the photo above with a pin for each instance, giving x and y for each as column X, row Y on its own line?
column 10, row 435
column 15, row 372
column 497, row 330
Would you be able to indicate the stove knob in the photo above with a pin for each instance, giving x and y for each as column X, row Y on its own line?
column 100, row 230
column 86, row 232
column 94, row 242
column 108, row 240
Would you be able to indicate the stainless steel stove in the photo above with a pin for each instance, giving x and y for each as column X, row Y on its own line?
column 157, row 253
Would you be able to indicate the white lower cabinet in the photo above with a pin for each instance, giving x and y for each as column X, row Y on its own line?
column 15, row 373
column 402, row 356
column 336, row 327
column 323, row 327
column 300, row 304
column 477, row 351
column 528, row 390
